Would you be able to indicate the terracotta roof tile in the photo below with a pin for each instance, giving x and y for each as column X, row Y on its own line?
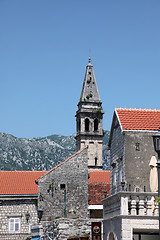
column 19, row 182
column 96, row 192
column 99, row 176
column 23, row 182
column 98, row 182
column 139, row 119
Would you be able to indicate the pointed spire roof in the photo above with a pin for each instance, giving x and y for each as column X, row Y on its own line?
column 90, row 90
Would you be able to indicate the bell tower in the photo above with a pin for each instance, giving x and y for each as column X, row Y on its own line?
column 89, row 118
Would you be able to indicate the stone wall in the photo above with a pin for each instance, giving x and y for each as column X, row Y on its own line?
column 137, row 161
column 63, row 191
column 17, row 208
column 92, row 138
column 61, row 229
column 94, row 150
column 117, row 156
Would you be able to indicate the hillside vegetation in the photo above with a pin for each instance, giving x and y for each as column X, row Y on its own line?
column 39, row 153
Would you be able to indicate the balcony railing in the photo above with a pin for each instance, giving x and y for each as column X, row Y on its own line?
column 131, row 204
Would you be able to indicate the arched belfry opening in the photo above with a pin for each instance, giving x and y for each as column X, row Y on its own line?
column 87, row 122
column 96, row 125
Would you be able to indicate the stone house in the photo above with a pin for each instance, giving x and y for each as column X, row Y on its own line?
column 131, row 212
column 71, row 196
column 63, row 190
column 18, row 203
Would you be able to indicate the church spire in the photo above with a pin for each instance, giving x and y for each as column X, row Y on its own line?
column 89, row 119
column 90, row 90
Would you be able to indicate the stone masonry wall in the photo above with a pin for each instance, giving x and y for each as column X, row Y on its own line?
column 92, row 138
column 17, row 209
column 137, row 162
column 117, row 156
column 61, row 229
column 94, row 149
column 63, row 191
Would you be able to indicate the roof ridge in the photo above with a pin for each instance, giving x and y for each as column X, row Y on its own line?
column 139, row 109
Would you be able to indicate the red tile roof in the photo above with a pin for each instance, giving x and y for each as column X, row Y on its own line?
column 23, row 183
column 19, row 182
column 98, row 182
column 99, row 176
column 138, row 119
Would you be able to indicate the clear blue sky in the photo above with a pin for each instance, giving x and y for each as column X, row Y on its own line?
column 44, row 50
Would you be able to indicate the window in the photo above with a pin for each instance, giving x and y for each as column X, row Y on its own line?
column 137, row 146
column 89, row 73
column 157, row 144
column 96, row 161
column 114, row 175
column 62, row 186
column 79, row 125
column 14, row 225
column 96, row 124
column 120, row 174
column 86, row 124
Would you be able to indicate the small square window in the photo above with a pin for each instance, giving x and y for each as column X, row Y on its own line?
column 62, row 186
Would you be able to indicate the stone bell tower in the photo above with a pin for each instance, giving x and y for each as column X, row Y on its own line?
column 89, row 118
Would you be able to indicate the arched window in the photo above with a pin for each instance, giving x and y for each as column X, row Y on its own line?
column 96, row 124
column 86, row 124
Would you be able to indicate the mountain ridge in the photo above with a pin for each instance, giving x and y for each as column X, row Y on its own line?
column 41, row 153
